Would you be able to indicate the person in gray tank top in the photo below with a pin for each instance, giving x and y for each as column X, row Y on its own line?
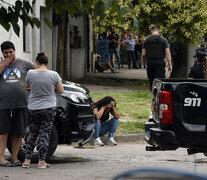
column 43, row 85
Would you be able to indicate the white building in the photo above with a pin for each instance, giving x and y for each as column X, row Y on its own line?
column 31, row 41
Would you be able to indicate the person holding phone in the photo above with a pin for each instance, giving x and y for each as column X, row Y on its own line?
column 102, row 110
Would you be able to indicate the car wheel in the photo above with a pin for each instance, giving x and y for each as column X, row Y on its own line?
column 35, row 156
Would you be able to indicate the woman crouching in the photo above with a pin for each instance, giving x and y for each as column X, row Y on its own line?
column 102, row 109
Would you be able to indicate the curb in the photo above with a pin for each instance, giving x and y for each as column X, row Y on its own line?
column 125, row 138
column 130, row 138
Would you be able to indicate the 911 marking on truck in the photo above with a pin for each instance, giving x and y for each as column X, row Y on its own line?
column 195, row 102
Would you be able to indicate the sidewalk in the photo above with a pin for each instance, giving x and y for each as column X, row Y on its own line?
column 124, row 73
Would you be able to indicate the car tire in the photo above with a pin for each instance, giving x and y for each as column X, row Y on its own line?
column 35, row 156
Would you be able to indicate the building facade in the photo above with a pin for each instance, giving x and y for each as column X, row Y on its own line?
column 33, row 40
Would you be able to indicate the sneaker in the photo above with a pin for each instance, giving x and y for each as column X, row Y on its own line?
column 98, row 142
column 111, row 141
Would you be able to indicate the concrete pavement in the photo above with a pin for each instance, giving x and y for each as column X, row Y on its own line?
column 124, row 73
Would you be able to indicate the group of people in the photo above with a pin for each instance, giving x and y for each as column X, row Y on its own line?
column 127, row 50
column 153, row 50
column 28, row 98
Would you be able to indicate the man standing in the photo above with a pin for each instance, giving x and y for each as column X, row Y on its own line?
column 113, row 47
column 13, row 101
column 156, row 48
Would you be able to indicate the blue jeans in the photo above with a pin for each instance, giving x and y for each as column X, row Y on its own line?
column 109, row 126
column 116, row 51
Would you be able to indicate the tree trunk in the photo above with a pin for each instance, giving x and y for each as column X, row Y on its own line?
column 179, row 60
column 62, row 43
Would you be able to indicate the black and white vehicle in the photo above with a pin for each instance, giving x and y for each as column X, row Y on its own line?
column 74, row 121
column 179, row 109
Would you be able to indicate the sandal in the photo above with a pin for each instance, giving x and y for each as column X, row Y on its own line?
column 25, row 165
column 16, row 163
column 44, row 166
column 6, row 164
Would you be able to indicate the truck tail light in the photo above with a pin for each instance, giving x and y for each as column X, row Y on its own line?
column 165, row 107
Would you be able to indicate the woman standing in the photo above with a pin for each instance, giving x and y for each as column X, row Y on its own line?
column 102, row 109
column 123, row 50
column 43, row 84
column 138, row 51
column 130, row 43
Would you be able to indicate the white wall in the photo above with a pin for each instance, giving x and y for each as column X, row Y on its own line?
column 33, row 41
column 78, row 63
column 77, row 57
column 46, row 37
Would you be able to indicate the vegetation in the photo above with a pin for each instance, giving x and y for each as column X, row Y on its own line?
column 10, row 15
column 131, row 105
column 130, row 127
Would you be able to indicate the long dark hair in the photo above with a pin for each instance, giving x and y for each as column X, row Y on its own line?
column 103, row 102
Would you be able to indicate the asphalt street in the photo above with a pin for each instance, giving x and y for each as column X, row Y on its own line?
column 103, row 163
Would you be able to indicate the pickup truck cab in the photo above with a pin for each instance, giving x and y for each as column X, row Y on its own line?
column 179, row 108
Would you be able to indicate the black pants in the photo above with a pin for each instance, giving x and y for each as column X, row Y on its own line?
column 40, row 125
column 155, row 71
column 131, row 59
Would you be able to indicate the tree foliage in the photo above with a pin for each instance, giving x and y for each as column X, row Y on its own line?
column 96, row 9
column 185, row 19
column 10, row 15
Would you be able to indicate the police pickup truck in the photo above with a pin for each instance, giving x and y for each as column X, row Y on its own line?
column 179, row 108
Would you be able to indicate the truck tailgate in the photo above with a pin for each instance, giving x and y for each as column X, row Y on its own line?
column 190, row 106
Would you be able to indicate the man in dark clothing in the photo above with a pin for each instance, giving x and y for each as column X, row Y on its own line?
column 197, row 71
column 113, row 47
column 156, row 48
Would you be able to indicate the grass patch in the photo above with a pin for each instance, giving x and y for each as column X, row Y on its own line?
column 133, row 106
column 130, row 127
column 141, row 84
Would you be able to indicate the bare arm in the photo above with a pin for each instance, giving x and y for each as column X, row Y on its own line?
column 114, row 111
column 143, row 52
column 114, row 40
column 99, row 112
column 27, row 86
column 59, row 88
column 168, row 56
column 124, row 43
